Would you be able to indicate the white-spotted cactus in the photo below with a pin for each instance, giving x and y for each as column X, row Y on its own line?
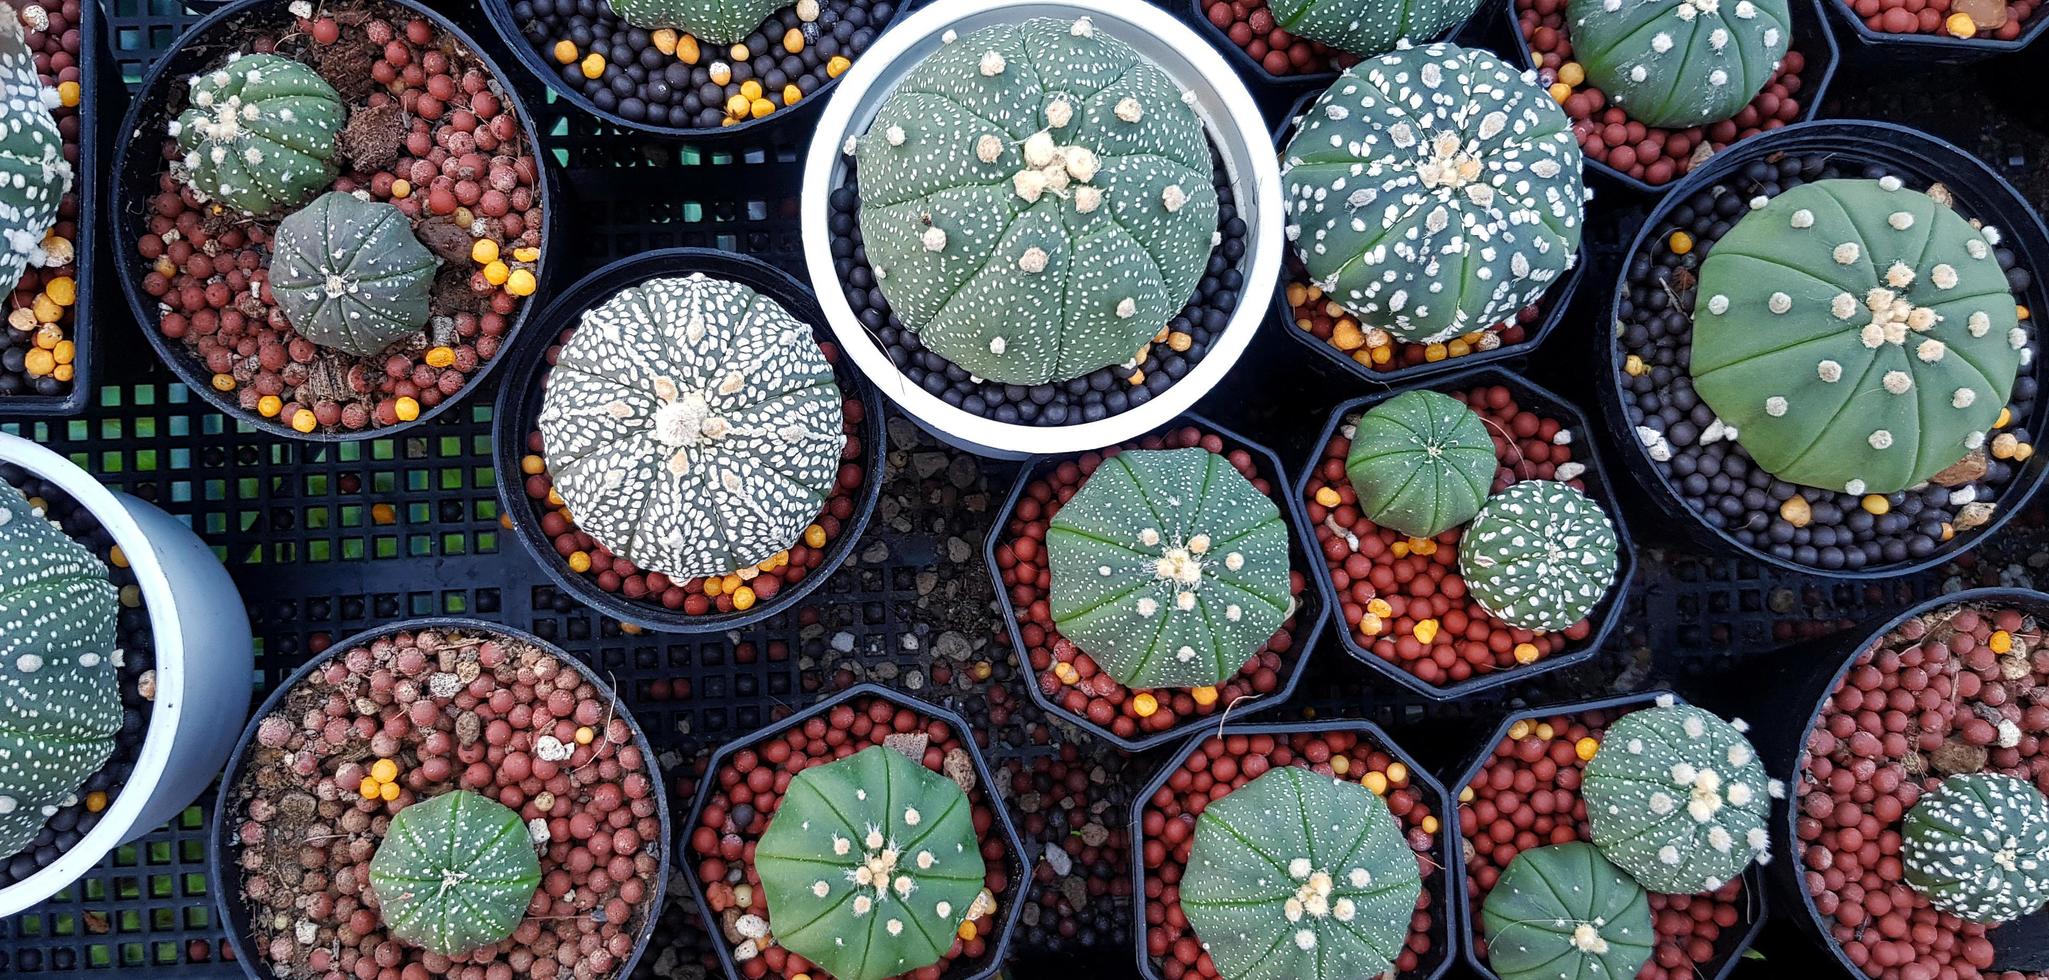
column 1421, row 462
column 870, row 865
column 710, row 21
column 1036, row 201
column 1563, row 912
column 1680, row 63
column 692, row 426
column 1540, row 555
column 1298, row 876
column 350, row 274
column 34, row 176
column 259, row 134
column 1978, row 847
column 1434, row 191
column 1678, row 798
column 1370, row 28
column 1169, row 568
column 455, row 873
column 57, row 669
column 1858, row 335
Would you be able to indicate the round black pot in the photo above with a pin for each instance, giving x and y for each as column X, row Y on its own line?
column 1266, row 81
column 518, row 410
column 1881, row 49
column 223, row 876
column 137, row 164
column 1915, row 156
column 1308, row 619
column 1606, row 615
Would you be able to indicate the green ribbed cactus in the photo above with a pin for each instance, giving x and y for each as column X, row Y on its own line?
column 350, row 275
column 57, row 669
column 455, row 873
column 1369, row 28
column 1422, row 463
column 1678, row 798
column 1859, row 335
column 1540, row 555
column 34, row 176
column 1564, row 912
column 715, row 21
column 1434, row 191
column 258, row 135
column 1978, row 847
column 1036, row 201
column 1680, row 63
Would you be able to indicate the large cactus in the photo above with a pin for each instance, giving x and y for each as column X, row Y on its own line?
column 1371, row 27
column 1540, row 555
column 350, row 275
column 1421, row 462
column 1680, row 63
column 1564, row 912
column 1978, row 847
column 1678, row 798
column 711, row 21
column 34, row 176
column 259, row 134
column 455, row 873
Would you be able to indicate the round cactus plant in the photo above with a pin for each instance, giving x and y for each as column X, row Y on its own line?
column 1540, row 555
column 57, row 669
column 34, row 176
column 870, row 865
column 1168, row 567
column 1563, row 912
column 1421, row 462
column 713, row 21
column 1368, row 29
column 1858, row 335
column 1434, row 191
column 1298, row 876
column 259, row 133
column 1978, row 847
column 455, row 873
column 1036, row 201
column 350, row 275
column 693, row 426
column 1678, row 798
column 1680, row 63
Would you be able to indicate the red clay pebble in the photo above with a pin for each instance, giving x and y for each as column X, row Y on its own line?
column 1249, row 24
column 1933, row 17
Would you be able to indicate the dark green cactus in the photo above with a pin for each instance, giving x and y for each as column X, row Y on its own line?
column 455, row 873
column 1422, row 463
column 1564, row 913
column 1680, row 63
column 259, row 134
column 34, row 176
column 1540, row 555
column 1678, row 798
column 1369, row 28
column 1978, row 847
column 350, row 275
column 713, row 21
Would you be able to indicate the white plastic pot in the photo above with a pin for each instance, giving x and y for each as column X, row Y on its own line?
column 204, row 665
column 1227, row 111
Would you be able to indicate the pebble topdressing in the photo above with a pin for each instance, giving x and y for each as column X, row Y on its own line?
column 37, row 352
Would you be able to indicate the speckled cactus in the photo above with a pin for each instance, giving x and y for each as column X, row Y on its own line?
column 1297, row 876
column 57, row 669
column 1434, row 191
column 1563, row 912
column 1679, row 63
column 1858, row 335
column 1422, row 463
column 1978, row 847
column 259, row 134
column 1169, row 568
column 1540, row 555
column 712, row 21
column 455, row 873
column 870, row 865
column 693, row 426
column 1036, row 201
column 1369, row 28
column 1678, row 798
column 34, row 176
column 350, row 275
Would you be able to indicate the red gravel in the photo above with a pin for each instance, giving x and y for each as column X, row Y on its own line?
column 1931, row 17
column 1249, row 24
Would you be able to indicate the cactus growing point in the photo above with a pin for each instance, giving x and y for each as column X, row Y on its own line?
column 259, row 135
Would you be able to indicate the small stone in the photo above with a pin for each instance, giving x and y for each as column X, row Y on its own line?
column 1964, row 471
column 911, row 744
column 959, row 767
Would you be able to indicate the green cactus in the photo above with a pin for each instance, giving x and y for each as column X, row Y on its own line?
column 1679, row 63
column 1978, row 847
column 57, row 669
column 869, row 865
column 1036, row 201
column 1422, row 463
column 1563, row 912
column 1858, row 335
column 259, row 134
column 350, row 275
column 1298, row 876
column 1169, row 568
column 714, row 21
column 1434, row 191
column 455, row 873
column 34, row 176
column 1540, row 555
column 1678, row 798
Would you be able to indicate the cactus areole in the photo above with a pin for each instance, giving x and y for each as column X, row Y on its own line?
column 1371, row 28
column 57, row 669
column 1169, row 568
column 350, row 275
column 1299, row 876
column 1036, row 201
column 1978, row 847
column 34, row 176
column 1563, row 912
column 1858, row 335
column 1680, row 63
column 712, row 21
column 870, row 864
column 455, row 873
column 1540, row 555
column 1678, row 798
column 1434, row 191
column 259, row 134
column 1421, row 462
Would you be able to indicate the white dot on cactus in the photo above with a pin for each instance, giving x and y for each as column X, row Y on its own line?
column 1234, row 561
column 1854, row 487
column 1033, row 260
column 1990, row 234
column 1359, row 877
column 1847, row 253
column 1173, row 197
column 1059, row 113
column 28, row 663
column 1668, row 855
column 1718, row 304
column 1775, row 406
column 1978, row 324
column 911, row 816
column 820, row 889
column 874, row 839
column 1233, row 612
column 1129, row 110
column 1719, row 839
column 1931, row 350
column 988, row 148
column 1305, row 939
column 992, row 64
column 8, row 805
column 1083, row 27
column 1757, row 838
column 1184, row 601
column 1900, row 220
column 1718, row 77
column 1897, row 382
column 1661, row 42
column 1779, row 303
column 2017, row 338
column 863, row 904
column 1889, row 183
column 1683, row 773
column 1186, row 654
column 1292, row 909
column 1944, row 276
column 894, row 135
column 934, row 239
column 1147, row 607
column 903, row 886
column 1739, row 794
column 1880, row 439
column 1977, row 248
column 1661, row 804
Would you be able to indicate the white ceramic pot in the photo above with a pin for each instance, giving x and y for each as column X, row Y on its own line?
column 1235, row 128
column 204, row 665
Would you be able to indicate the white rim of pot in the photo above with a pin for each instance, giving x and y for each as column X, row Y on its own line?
column 118, row 820
column 1230, row 118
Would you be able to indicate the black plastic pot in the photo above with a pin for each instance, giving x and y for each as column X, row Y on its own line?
column 1257, row 74
column 1606, row 615
column 137, row 163
column 1008, row 905
column 1732, row 943
column 223, row 876
column 518, row 410
column 1912, row 51
column 1308, row 619
column 1445, row 888
column 1914, row 156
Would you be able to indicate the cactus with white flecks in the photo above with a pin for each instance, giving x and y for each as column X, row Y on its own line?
column 1978, row 847
column 1540, row 555
column 711, row 21
column 1678, row 798
column 455, row 873
column 1421, row 462
column 1564, row 912
column 1680, row 63
column 1370, row 28
column 350, row 274
column 34, row 176
column 258, row 134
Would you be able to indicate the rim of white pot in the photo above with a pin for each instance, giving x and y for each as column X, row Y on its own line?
column 1230, row 117
column 119, row 818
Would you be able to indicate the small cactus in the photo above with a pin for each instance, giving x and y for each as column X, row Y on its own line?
column 1540, row 555
column 1370, row 28
column 350, row 275
column 455, row 873
column 1563, row 912
column 1298, row 876
column 1422, row 463
column 34, row 176
column 869, row 865
column 1680, row 63
column 1978, row 847
column 259, row 134
column 1678, row 798
column 712, row 21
